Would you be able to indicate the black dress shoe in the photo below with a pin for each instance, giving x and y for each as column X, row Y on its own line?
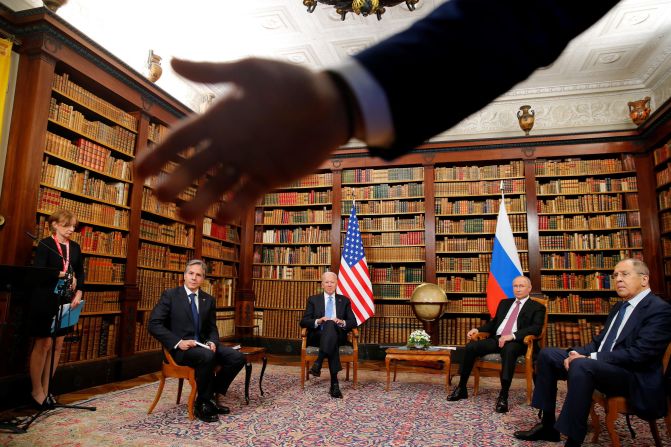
column 203, row 412
column 457, row 393
column 501, row 405
column 572, row 443
column 315, row 370
column 538, row 433
column 335, row 391
column 214, row 407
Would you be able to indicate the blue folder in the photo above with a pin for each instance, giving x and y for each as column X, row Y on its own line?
column 69, row 316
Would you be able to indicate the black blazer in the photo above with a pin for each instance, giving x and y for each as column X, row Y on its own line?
column 172, row 321
column 316, row 309
column 529, row 321
column 483, row 46
column 46, row 255
column 640, row 348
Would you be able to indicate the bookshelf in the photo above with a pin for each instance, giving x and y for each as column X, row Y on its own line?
column 588, row 220
column 390, row 208
column 292, row 249
column 662, row 166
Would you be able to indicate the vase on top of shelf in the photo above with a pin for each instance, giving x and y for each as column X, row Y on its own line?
column 53, row 5
column 526, row 118
column 639, row 111
column 154, row 70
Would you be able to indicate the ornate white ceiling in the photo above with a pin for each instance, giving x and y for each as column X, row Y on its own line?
column 624, row 57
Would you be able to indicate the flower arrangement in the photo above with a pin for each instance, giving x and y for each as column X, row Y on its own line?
column 419, row 339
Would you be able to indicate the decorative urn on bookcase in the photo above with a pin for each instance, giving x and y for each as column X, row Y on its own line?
column 428, row 301
column 526, row 118
column 154, row 70
column 53, row 5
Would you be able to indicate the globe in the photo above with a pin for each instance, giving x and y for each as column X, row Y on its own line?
column 428, row 301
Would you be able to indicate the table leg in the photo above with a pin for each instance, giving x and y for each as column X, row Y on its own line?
column 263, row 369
column 248, row 375
column 387, row 361
column 448, row 375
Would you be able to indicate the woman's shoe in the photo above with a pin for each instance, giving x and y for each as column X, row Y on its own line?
column 37, row 406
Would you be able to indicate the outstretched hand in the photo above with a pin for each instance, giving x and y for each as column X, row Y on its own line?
column 279, row 123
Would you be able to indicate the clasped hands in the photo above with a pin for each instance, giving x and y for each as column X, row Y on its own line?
column 572, row 355
column 337, row 321
column 185, row 345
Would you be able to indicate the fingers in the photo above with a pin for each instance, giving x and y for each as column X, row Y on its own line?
column 211, row 72
column 245, row 195
column 214, row 188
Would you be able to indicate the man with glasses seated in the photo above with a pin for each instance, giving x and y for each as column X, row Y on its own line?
column 625, row 359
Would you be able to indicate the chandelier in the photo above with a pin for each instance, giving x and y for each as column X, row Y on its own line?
column 363, row 7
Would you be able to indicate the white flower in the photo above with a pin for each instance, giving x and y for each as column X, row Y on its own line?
column 419, row 337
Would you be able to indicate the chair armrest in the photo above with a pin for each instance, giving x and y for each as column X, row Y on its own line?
column 304, row 338
column 529, row 341
column 354, row 338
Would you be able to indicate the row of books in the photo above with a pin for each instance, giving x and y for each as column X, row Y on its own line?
column 396, row 274
column 590, row 241
column 484, row 187
column 221, row 289
column 567, row 334
column 279, row 216
column 384, row 206
column 64, row 85
column 102, row 301
column 467, row 304
column 226, row 324
column 82, row 183
column 444, row 205
column 462, row 244
column 662, row 153
column 313, row 197
column 387, row 239
column 99, row 242
column 481, row 263
column 384, row 191
column 393, row 291
column 104, row 270
column 185, row 194
column 664, row 199
column 175, row 233
column 474, row 284
column 114, row 137
column 224, row 232
column 395, row 254
column 601, row 203
column 88, row 154
column 285, row 294
column 156, row 132
column 49, row 200
column 575, row 304
column 319, row 179
column 151, row 204
column 664, row 176
column 218, row 268
column 388, row 223
column 299, row 235
column 491, row 172
column 152, row 283
column 382, row 175
column 588, row 185
column 665, row 221
column 393, row 310
column 161, row 257
column 581, row 222
column 293, row 255
column 216, row 249
column 582, row 167
column 570, row 260
column 282, row 324
column 573, row 281
column 286, row 272
column 97, row 339
column 388, row 330
column 518, row 223
column 144, row 341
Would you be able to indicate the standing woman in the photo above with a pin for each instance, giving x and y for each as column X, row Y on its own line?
column 56, row 251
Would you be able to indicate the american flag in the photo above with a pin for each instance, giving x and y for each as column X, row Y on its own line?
column 354, row 279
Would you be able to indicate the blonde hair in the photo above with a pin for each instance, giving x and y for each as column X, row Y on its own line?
column 61, row 217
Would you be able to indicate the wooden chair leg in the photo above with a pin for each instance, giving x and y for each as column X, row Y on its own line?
column 530, row 383
column 395, row 367
column 355, row 367
column 347, row 372
column 179, row 390
column 596, row 424
column 161, row 383
column 305, row 374
column 192, row 396
column 655, row 432
column 476, row 380
column 611, row 416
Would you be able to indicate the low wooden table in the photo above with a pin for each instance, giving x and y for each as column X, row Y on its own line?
column 419, row 355
column 253, row 354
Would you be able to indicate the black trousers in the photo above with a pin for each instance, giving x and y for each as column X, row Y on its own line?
column 328, row 339
column 509, row 353
column 584, row 376
column 204, row 362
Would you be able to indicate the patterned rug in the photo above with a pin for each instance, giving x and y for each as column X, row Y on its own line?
column 413, row 413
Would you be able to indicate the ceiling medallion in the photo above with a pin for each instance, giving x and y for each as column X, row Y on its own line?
column 363, row 7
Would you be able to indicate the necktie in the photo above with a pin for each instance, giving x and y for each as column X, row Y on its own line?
column 612, row 334
column 194, row 311
column 508, row 328
column 330, row 309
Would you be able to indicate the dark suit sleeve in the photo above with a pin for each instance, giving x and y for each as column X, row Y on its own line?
column 310, row 314
column 484, row 47
column 159, row 321
column 536, row 319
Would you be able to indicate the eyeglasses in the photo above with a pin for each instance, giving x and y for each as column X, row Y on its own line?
column 623, row 275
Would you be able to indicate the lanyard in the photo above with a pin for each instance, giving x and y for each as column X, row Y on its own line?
column 66, row 259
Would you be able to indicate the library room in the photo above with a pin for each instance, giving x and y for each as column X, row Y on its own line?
column 316, row 222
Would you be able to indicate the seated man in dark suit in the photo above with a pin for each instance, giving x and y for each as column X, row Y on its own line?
column 328, row 317
column 514, row 320
column 184, row 321
column 625, row 359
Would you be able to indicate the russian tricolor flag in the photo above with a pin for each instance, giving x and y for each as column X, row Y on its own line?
column 506, row 264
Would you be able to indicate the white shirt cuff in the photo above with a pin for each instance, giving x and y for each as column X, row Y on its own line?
column 372, row 100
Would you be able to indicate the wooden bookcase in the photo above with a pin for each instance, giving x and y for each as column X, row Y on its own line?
column 662, row 163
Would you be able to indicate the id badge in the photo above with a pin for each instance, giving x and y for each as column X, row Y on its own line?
column 59, row 285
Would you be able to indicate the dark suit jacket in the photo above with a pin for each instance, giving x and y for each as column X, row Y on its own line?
column 639, row 349
column 484, row 46
column 316, row 309
column 172, row 321
column 47, row 255
column 529, row 321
